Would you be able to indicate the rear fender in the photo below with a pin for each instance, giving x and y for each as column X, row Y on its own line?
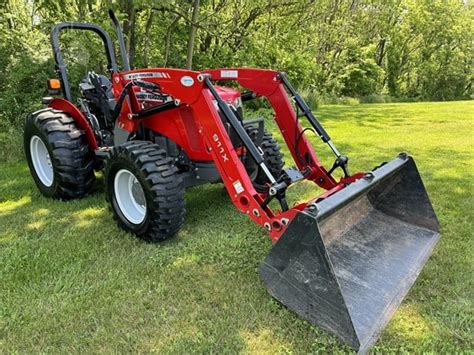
column 78, row 117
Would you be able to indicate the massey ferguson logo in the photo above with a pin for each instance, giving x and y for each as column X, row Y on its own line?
column 220, row 148
column 143, row 75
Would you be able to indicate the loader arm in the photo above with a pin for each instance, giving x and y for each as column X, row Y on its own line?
column 274, row 86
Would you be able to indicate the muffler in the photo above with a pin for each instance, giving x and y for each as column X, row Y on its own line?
column 346, row 263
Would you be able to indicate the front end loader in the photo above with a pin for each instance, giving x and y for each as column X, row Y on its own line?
column 344, row 260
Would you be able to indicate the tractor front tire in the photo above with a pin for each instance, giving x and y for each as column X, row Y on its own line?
column 272, row 157
column 59, row 157
column 145, row 190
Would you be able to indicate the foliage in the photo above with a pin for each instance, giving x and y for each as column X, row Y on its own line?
column 417, row 50
column 311, row 98
column 72, row 281
column 376, row 99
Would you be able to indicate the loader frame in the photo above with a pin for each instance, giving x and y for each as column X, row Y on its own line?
column 197, row 97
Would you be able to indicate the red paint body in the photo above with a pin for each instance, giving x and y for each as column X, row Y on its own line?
column 78, row 116
column 198, row 129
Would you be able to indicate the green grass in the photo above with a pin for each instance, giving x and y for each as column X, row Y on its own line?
column 71, row 281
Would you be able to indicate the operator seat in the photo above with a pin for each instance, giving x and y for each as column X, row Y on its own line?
column 97, row 89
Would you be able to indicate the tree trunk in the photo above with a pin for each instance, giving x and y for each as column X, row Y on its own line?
column 147, row 38
column 381, row 49
column 192, row 35
column 132, row 42
column 169, row 30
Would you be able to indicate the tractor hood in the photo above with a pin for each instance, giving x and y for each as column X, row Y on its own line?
column 229, row 95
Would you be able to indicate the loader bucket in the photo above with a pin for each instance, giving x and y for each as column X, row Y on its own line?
column 347, row 265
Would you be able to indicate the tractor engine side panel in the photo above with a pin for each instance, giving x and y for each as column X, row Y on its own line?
column 180, row 126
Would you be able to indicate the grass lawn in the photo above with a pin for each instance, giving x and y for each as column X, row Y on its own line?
column 71, row 281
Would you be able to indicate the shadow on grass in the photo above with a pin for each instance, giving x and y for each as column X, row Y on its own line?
column 69, row 274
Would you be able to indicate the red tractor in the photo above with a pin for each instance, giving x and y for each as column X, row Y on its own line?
column 343, row 260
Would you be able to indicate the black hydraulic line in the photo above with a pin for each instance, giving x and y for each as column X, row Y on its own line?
column 147, row 85
column 247, row 96
column 156, row 109
column 306, row 110
column 147, row 112
column 255, row 153
column 235, row 123
column 118, row 105
column 341, row 160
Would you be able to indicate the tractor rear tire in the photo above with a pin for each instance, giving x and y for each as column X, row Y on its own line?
column 272, row 157
column 145, row 190
column 59, row 157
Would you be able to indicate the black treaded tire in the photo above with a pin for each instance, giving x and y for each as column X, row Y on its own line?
column 162, row 186
column 70, row 155
column 272, row 156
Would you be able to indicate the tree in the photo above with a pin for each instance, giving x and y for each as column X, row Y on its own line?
column 192, row 34
column 405, row 48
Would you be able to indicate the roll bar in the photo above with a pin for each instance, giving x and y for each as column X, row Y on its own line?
column 58, row 57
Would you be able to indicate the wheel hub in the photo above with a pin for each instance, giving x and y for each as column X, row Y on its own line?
column 41, row 161
column 137, row 193
column 130, row 196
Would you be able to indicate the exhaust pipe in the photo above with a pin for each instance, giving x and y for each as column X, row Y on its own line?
column 123, row 49
column 347, row 264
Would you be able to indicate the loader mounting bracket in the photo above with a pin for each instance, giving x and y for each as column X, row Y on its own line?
column 341, row 162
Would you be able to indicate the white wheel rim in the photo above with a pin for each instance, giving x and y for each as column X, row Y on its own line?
column 41, row 161
column 130, row 196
